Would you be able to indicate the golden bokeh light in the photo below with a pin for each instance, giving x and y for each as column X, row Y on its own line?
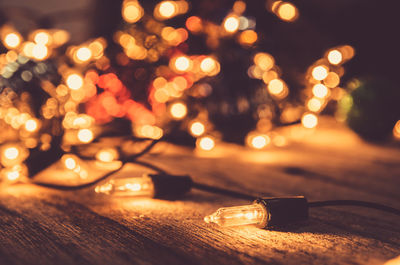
column 83, row 54
column 107, row 155
column 319, row 72
column 314, row 104
column 149, row 131
column 287, row 12
column 309, row 120
column 42, row 38
column 206, row 143
column 320, row 91
column 74, row 81
column 85, row 135
column 276, row 87
column 197, row 128
column 231, row 24
column 259, row 141
column 208, row 65
column 264, row 60
column 178, row 110
column 12, row 40
column 332, row 80
column 335, row 57
column 167, row 9
column 132, row 11
column 396, row 130
column 182, row 63
column 70, row 163
column 11, row 153
column 248, row 37
column 31, row 125
column 40, row 51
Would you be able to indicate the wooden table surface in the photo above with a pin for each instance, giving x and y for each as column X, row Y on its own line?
column 42, row 226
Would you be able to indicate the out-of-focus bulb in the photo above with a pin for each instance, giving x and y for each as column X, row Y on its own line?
column 12, row 40
column 320, row 91
column 178, row 110
column 128, row 187
column 182, row 63
column 74, row 81
column 167, row 9
column 208, row 65
column 132, row 11
column 254, row 214
column 42, row 38
column 73, row 163
column 335, row 57
column 85, row 135
column 31, row 125
column 107, row 155
column 205, row 143
column 319, row 72
column 14, row 174
column 40, row 51
column 83, row 54
column 287, row 11
column 11, row 153
column 309, row 120
column 231, row 24
column 197, row 128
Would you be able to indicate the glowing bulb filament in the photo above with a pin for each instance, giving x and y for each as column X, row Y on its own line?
column 128, row 187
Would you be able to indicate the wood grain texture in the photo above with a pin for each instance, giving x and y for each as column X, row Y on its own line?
column 41, row 226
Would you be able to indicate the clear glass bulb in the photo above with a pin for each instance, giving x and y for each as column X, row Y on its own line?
column 128, row 187
column 254, row 214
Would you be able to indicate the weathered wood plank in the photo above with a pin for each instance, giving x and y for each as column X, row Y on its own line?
column 40, row 226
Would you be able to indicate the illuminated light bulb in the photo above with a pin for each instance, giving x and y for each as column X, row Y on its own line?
column 260, row 141
column 197, row 128
column 127, row 187
column 320, row 91
column 14, row 174
column 319, row 72
column 263, row 213
column 254, row 214
column 42, row 38
column 332, row 80
column 39, row 52
column 264, row 60
column 396, row 130
column 167, row 9
column 276, row 87
column 205, row 143
column 178, row 110
column 182, row 63
column 132, row 11
column 31, row 125
column 11, row 153
column 74, row 81
column 335, row 57
column 83, row 54
column 248, row 37
column 194, row 24
column 149, row 131
column 74, row 164
column 107, row 155
column 314, row 104
column 12, row 40
column 287, row 12
column 85, row 135
column 309, row 120
column 239, row 7
column 208, row 65
column 231, row 24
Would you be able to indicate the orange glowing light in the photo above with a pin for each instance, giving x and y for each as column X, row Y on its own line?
column 42, row 38
column 107, row 155
column 31, row 125
column 83, row 54
column 39, row 52
column 12, row 40
column 205, row 143
column 276, row 87
column 167, row 9
column 264, row 60
column 178, row 110
column 208, row 65
column 248, row 37
column 239, row 7
column 11, row 153
column 197, row 128
column 259, row 141
column 194, row 24
column 319, row 72
column 314, row 104
column 231, row 24
column 332, row 80
column 396, row 130
column 132, row 11
column 309, row 120
column 182, row 63
column 320, row 91
column 74, row 81
column 85, row 135
column 335, row 57
column 287, row 11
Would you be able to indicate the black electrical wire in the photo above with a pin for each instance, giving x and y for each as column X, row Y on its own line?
column 371, row 205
